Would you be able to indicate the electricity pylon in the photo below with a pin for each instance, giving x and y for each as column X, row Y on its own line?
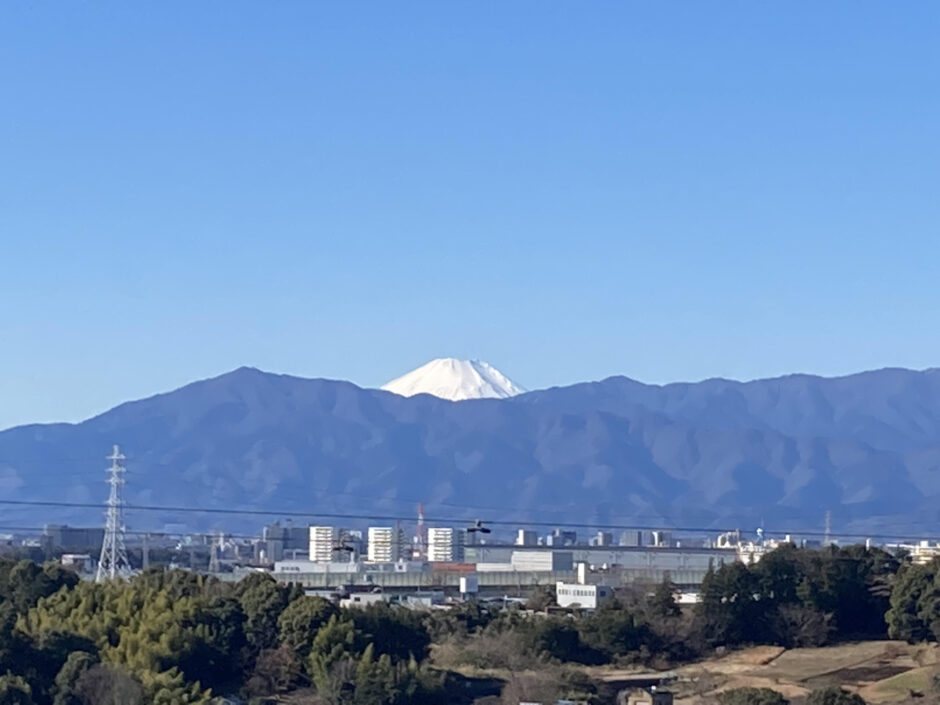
column 113, row 562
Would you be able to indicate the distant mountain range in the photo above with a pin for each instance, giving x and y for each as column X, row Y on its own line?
column 781, row 452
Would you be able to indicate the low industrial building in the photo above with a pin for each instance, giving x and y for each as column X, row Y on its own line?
column 71, row 538
column 542, row 560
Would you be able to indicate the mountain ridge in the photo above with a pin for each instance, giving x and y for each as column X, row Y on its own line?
column 785, row 449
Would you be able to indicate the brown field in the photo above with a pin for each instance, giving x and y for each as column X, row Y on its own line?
column 882, row 672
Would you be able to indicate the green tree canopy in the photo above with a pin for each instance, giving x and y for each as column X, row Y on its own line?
column 396, row 631
column 262, row 601
column 66, row 681
column 914, row 613
column 662, row 603
column 730, row 609
column 15, row 691
column 299, row 622
column 611, row 631
column 24, row 583
column 751, row 696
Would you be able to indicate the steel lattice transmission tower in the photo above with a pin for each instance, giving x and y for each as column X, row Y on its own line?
column 113, row 562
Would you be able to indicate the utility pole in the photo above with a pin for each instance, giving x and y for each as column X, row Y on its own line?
column 145, row 553
column 113, row 562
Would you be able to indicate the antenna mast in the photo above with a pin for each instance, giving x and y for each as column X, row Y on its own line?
column 113, row 562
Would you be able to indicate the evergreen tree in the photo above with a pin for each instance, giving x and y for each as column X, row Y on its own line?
column 337, row 645
column 751, row 696
column 262, row 601
column 301, row 619
column 610, row 632
column 15, row 691
column 730, row 610
column 396, row 631
column 66, row 681
column 662, row 603
column 910, row 599
column 834, row 695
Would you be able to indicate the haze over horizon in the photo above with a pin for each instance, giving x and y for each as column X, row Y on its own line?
column 670, row 194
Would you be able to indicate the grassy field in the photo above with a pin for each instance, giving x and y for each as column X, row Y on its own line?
column 898, row 688
column 883, row 672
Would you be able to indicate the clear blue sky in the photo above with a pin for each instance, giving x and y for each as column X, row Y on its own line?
column 670, row 191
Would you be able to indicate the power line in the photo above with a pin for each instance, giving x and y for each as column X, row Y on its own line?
column 143, row 532
column 169, row 509
column 49, row 479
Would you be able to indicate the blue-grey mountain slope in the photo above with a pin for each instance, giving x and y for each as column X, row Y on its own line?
column 782, row 451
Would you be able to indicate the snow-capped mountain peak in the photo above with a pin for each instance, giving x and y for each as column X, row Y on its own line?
column 449, row 378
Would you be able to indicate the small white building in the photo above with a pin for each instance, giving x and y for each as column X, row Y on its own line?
column 363, row 599
column 589, row 597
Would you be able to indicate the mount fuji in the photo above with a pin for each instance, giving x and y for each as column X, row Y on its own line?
column 785, row 452
column 455, row 380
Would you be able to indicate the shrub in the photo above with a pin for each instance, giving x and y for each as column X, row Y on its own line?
column 834, row 695
column 751, row 696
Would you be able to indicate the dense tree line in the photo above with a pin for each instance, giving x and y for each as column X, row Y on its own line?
column 792, row 597
column 915, row 603
column 174, row 638
column 798, row 597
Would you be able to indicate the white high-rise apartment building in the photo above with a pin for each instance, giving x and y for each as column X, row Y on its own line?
column 384, row 544
column 445, row 545
column 323, row 539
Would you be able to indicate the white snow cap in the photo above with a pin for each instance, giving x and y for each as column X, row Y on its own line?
column 453, row 379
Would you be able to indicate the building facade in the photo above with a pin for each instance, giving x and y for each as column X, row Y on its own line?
column 72, row 538
column 588, row 597
column 323, row 539
column 541, row 561
column 445, row 545
column 384, row 545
